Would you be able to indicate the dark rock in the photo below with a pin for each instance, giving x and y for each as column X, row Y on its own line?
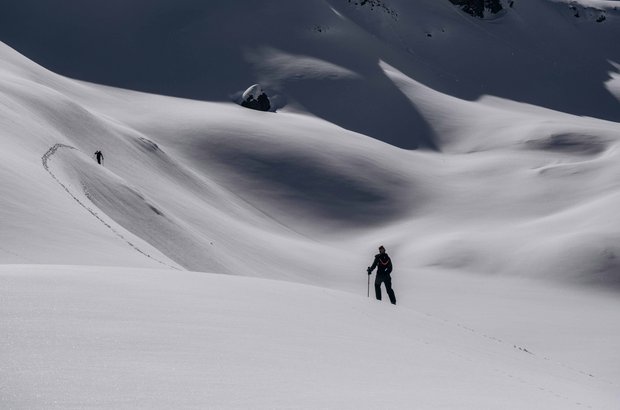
column 477, row 8
column 256, row 99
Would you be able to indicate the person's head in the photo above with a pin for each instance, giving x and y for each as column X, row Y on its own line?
column 381, row 249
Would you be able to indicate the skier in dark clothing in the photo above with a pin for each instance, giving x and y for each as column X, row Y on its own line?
column 383, row 263
column 99, row 157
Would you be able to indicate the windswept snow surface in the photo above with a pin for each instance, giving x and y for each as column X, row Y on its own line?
column 217, row 258
column 84, row 337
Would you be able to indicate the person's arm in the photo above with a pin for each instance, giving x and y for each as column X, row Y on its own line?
column 374, row 265
column 389, row 267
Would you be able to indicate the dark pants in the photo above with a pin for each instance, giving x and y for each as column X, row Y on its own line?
column 387, row 279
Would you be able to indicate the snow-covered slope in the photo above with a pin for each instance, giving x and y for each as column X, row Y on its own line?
column 215, row 187
column 513, row 186
column 136, row 338
column 203, row 183
column 322, row 56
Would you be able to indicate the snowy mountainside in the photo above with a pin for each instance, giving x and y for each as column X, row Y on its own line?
column 171, row 203
column 205, row 182
column 145, row 281
column 536, row 53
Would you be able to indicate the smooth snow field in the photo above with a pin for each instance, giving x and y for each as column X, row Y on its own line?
column 217, row 258
column 142, row 338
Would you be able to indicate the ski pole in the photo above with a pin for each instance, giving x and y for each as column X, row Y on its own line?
column 368, row 290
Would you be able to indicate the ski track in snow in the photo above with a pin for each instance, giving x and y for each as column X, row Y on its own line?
column 45, row 160
column 521, row 380
column 524, row 350
column 506, row 373
column 15, row 254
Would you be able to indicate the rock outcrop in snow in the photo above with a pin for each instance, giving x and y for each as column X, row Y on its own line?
column 482, row 8
column 255, row 98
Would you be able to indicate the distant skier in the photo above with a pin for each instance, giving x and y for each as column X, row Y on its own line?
column 99, row 156
column 383, row 263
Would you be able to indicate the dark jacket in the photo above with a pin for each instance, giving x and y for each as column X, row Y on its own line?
column 383, row 263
